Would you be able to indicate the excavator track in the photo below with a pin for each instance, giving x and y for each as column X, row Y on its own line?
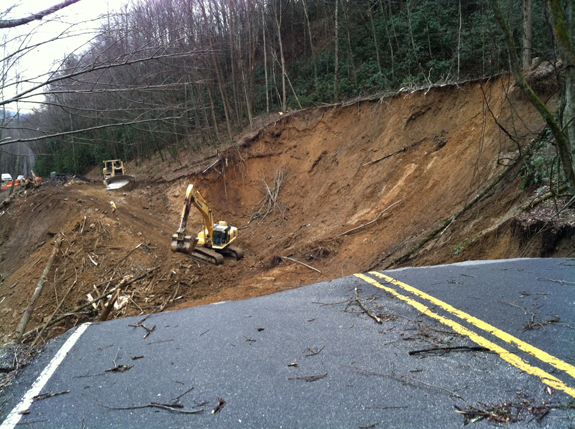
column 207, row 255
column 233, row 251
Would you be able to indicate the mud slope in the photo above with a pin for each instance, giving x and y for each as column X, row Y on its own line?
column 410, row 161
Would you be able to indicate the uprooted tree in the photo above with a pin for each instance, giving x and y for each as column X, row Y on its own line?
column 564, row 130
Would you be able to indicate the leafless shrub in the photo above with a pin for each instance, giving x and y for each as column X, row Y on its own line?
column 270, row 202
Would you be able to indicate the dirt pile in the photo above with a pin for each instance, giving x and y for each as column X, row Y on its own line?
column 318, row 194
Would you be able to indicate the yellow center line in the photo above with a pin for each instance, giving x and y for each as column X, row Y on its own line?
column 506, row 355
column 510, row 339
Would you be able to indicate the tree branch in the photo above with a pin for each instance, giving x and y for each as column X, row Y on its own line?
column 11, row 23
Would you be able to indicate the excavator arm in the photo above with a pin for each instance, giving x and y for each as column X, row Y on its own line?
column 186, row 243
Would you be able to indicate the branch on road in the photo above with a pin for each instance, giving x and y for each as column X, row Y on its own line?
column 443, row 350
column 309, row 378
column 405, row 379
column 176, row 407
column 365, row 309
column 561, row 282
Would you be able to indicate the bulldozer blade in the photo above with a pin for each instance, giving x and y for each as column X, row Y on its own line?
column 117, row 182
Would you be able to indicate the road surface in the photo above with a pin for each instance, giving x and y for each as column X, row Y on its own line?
column 417, row 347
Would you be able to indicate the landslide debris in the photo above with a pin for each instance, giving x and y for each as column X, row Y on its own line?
column 317, row 194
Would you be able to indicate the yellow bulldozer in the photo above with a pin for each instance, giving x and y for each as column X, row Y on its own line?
column 213, row 242
column 115, row 176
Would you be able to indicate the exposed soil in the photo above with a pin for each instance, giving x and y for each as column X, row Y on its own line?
column 446, row 149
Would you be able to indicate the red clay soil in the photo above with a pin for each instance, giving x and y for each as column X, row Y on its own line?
column 341, row 189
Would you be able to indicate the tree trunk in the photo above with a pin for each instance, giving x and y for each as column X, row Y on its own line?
column 389, row 39
column 527, row 34
column 304, row 5
column 233, row 63
column 564, row 38
column 218, row 72
column 283, row 65
column 265, row 61
column 213, row 109
column 336, row 56
column 375, row 41
column 17, row 338
column 459, row 41
column 412, row 40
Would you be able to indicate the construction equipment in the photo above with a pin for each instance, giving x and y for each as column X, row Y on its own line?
column 115, row 176
column 213, row 241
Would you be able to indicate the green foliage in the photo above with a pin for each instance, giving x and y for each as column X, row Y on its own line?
column 542, row 167
column 463, row 244
column 68, row 158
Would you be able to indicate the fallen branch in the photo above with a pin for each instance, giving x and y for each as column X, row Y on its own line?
column 305, row 265
column 53, row 314
column 124, row 258
column 309, row 378
column 17, row 338
column 219, row 406
column 561, row 282
column 384, row 157
column 367, row 311
column 89, row 303
column 217, row 160
column 177, row 408
column 314, row 352
column 443, row 350
column 405, row 379
column 48, row 395
column 369, row 223
column 544, row 198
column 118, row 290
column 140, row 324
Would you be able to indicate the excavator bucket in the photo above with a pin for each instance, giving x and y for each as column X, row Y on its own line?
column 186, row 245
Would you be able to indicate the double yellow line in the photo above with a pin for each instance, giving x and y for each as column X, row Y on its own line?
column 506, row 355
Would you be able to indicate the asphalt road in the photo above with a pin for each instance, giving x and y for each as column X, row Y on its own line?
column 455, row 343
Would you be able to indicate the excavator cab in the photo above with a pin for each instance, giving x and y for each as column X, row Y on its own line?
column 223, row 235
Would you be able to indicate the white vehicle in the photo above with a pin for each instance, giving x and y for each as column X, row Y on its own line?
column 20, row 177
column 6, row 177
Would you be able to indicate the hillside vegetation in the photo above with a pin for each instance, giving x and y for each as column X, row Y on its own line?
column 166, row 76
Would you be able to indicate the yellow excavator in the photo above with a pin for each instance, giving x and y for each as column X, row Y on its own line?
column 213, row 241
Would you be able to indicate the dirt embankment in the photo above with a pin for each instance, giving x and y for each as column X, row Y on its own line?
column 340, row 189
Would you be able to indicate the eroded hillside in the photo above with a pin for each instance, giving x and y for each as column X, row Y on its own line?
column 318, row 194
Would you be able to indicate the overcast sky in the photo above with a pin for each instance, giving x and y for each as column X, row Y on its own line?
column 77, row 19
